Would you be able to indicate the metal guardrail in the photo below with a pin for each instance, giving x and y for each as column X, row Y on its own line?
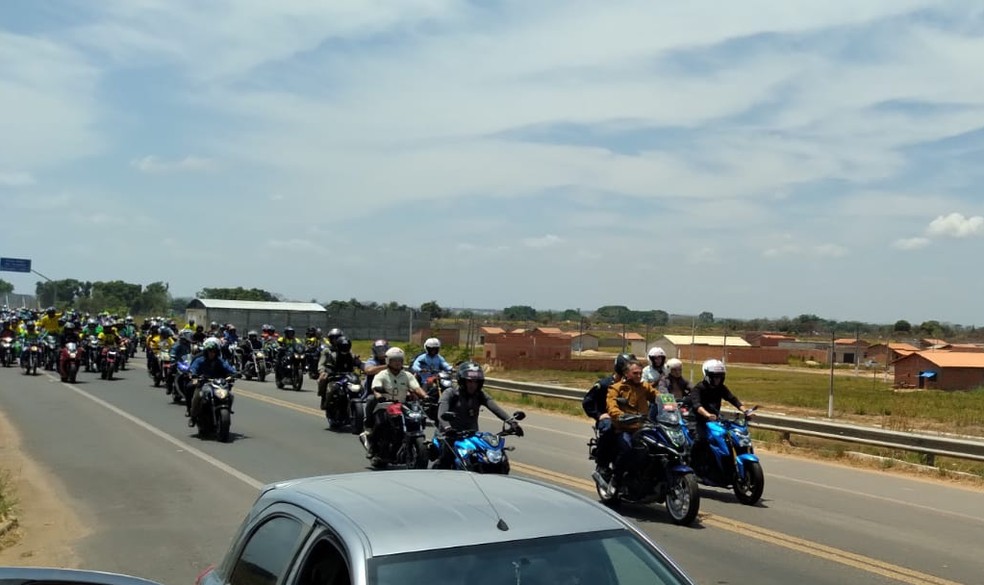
column 930, row 446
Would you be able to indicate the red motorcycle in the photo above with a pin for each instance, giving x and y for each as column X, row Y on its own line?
column 109, row 363
column 68, row 362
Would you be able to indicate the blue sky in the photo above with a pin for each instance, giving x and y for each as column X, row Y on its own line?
column 762, row 158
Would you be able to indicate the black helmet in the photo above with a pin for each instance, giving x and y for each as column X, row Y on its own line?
column 311, row 332
column 288, row 329
column 470, row 371
column 343, row 345
column 379, row 348
column 622, row 362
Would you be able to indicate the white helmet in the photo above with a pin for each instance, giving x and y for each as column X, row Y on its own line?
column 674, row 363
column 394, row 353
column 656, row 352
column 432, row 343
column 713, row 368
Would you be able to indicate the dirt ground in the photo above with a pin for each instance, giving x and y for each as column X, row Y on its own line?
column 47, row 525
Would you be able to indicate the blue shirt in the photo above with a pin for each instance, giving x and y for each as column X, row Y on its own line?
column 217, row 368
column 427, row 364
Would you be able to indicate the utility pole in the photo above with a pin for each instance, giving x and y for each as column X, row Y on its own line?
column 830, row 395
column 580, row 331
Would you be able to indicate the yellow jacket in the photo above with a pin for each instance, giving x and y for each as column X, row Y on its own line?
column 637, row 396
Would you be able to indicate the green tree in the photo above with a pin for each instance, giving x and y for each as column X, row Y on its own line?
column 6, row 287
column 67, row 291
column 571, row 315
column 155, row 299
column 705, row 318
column 434, row 310
column 902, row 326
column 931, row 328
column 238, row 294
column 519, row 313
column 612, row 314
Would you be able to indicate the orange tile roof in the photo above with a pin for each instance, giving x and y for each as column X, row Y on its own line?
column 954, row 359
column 900, row 347
column 931, row 341
column 549, row 330
column 849, row 341
column 632, row 337
column 492, row 330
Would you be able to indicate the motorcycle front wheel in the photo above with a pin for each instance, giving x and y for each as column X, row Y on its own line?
column 225, row 423
column 749, row 490
column 683, row 499
column 415, row 454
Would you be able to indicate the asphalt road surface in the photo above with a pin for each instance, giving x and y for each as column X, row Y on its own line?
column 162, row 504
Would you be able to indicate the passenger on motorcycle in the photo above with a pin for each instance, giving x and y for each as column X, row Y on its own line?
column 466, row 400
column 199, row 335
column 10, row 329
column 707, row 396
column 337, row 360
column 636, row 395
column 178, row 352
column 209, row 365
column 655, row 372
column 595, row 405
column 392, row 384
column 231, row 336
column 333, row 334
column 676, row 384
column 91, row 328
column 431, row 361
column 153, row 345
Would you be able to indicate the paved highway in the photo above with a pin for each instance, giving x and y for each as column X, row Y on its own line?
column 162, row 504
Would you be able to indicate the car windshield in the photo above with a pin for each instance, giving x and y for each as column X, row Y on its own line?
column 616, row 557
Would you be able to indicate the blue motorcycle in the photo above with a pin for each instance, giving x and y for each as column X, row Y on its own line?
column 477, row 451
column 658, row 471
column 728, row 459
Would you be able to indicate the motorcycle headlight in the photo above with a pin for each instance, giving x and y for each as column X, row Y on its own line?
column 71, row 355
column 494, row 456
column 742, row 439
column 259, row 354
column 221, row 393
column 355, row 388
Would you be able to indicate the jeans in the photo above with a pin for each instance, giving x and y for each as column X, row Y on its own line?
column 605, row 449
column 623, row 441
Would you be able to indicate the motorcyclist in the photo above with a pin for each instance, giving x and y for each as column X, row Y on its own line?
column 178, row 353
column 333, row 334
column 431, row 361
column 199, row 335
column 595, row 405
column 376, row 363
column 655, row 372
column 392, row 384
column 336, row 360
column 636, row 395
column 108, row 339
column 250, row 344
column 231, row 336
column 91, row 328
column 49, row 322
column 286, row 343
column 676, row 384
column 706, row 396
column 153, row 345
column 69, row 335
column 465, row 400
column 209, row 365
column 29, row 336
column 269, row 333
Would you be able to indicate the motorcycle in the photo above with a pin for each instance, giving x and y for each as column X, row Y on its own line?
column 435, row 385
column 166, row 371
column 91, row 347
column 32, row 358
column 398, row 436
column 124, row 353
column 68, row 363
column 255, row 366
column 658, row 470
column 728, row 460
column 343, row 403
column 49, row 345
column 291, row 367
column 182, row 380
column 476, row 451
column 109, row 363
column 7, row 351
column 215, row 413
column 312, row 353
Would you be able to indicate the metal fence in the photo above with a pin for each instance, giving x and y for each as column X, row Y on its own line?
column 356, row 323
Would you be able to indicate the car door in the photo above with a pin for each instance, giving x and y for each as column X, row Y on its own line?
column 269, row 547
column 324, row 561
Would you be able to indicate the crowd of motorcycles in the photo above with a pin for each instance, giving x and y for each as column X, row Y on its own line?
column 663, row 469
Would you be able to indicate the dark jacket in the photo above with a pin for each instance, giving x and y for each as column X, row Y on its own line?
column 217, row 368
column 595, row 402
column 331, row 362
column 465, row 406
column 710, row 397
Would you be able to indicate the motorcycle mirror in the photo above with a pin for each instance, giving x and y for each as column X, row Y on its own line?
column 519, row 415
column 448, row 416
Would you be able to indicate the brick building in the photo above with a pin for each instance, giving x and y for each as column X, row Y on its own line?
column 940, row 370
column 760, row 339
column 886, row 353
column 547, row 343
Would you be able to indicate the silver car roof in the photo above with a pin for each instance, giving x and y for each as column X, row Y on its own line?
column 406, row 511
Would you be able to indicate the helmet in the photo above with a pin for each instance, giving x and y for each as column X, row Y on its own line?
column 674, row 363
column 165, row 332
column 311, row 332
column 92, row 321
column 210, row 343
column 394, row 353
column 185, row 335
column 69, row 326
column 622, row 363
column 656, row 352
column 714, row 370
column 251, row 333
column 432, row 345
column 155, row 328
column 379, row 348
column 470, row 371
column 343, row 345
column 231, row 327
column 129, row 319
column 266, row 327
column 333, row 334
column 213, row 325
column 50, row 310
column 29, row 325
column 288, row 330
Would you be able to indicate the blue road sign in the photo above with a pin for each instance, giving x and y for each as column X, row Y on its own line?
column 15, row 264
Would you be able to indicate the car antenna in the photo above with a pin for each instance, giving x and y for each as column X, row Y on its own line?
column 501, row 524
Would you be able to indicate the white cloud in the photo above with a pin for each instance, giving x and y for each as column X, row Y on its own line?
column 956, row 225
column 543, row 241
column 154, row 164
column 16, row 179
column 911, row 243
column 830, row 251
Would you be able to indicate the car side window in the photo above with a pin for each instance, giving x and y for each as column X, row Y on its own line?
column 268, row 553
column 325, row 565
